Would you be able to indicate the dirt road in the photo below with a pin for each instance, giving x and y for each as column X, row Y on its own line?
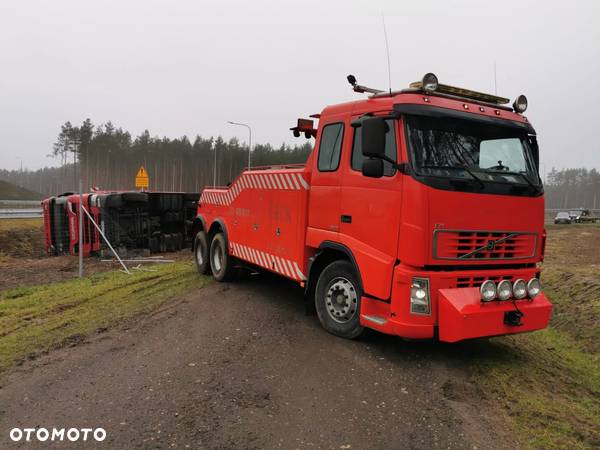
column 240, row 366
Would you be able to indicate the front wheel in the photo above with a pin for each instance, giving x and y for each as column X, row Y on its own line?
column 201, row 253
column 337, row 300
column 221, row 263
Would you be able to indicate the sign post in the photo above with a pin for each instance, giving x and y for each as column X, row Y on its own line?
column 141, row 179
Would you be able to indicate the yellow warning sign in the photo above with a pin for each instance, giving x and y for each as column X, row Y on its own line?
column 141, row 179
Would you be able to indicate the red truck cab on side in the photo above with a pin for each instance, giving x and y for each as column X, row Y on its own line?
column 419, row 213
column 91, row 241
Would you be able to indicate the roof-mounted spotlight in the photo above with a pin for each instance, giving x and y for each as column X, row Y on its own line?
column 520, row 104
column 361, row 89
column 429, row 83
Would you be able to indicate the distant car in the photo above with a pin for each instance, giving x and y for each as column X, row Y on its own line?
column 562, row 217
column 575, row 215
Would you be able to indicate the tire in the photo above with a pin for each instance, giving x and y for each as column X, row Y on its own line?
column 190, row 196
column 221, row 262
column 135, row 197
column 113, row 201
column 201, row 253
column 337, row 300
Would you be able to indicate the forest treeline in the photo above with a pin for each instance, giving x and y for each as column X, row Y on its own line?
column 573, row 188
column 109, row 157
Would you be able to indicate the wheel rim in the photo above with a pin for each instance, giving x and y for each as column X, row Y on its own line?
column 341, row 300
column 218, row 258
column 199, row 253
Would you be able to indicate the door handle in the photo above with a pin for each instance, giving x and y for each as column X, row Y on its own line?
column 346, row 218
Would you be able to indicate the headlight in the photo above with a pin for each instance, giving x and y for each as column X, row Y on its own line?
column 519, row 289
column 488, row 291
column 533, row 287
column 504, row 290
column 430, row 83
column 419, row 296
column 520, row 104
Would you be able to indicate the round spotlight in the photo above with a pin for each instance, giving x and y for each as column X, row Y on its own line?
column 430, row 83
column 519, row 289
column 487, row 291
column 534, row 287
column 520, row 104
column 504, row 290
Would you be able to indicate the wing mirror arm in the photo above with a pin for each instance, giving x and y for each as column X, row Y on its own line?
column 400, row 167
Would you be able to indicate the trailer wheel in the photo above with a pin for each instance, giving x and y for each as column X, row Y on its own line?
column 221, row 263
column 337, row 300
column 201, row 253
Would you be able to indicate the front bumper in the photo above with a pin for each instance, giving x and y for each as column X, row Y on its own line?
column 457, row 313
column 462, row 315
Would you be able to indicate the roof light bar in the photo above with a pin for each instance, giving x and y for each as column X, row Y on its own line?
column 430, row 85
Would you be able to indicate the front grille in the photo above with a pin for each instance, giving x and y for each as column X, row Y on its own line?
column 483, row 245
column 462, row 282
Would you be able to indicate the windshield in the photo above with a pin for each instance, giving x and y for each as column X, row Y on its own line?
column 482, row 153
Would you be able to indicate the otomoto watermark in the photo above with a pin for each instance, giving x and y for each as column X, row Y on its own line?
column 57, row 434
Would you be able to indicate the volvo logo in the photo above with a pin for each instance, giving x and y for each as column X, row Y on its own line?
column 489, row 246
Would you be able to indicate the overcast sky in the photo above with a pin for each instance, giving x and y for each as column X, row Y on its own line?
column 186, row 67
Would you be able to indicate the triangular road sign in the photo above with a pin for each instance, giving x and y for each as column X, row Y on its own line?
column 141, row 179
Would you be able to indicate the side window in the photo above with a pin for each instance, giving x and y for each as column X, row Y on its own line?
column 390, row 150
column 330, row 147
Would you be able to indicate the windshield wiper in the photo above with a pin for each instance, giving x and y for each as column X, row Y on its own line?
column 465, row 168
column 526, row 178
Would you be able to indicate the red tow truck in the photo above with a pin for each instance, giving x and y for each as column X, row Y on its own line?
column 419, row 213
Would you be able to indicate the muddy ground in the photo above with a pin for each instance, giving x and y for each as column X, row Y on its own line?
column 241, row 366
column 24, row 262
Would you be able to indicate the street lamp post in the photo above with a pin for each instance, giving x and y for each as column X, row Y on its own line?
column 76, row 144
column 249, row 137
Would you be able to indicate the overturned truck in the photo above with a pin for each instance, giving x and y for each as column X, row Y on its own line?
column 154, row 221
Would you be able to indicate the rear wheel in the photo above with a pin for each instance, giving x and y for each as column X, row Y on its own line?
column 337, row 300
column 201, row 253
column 221, row 263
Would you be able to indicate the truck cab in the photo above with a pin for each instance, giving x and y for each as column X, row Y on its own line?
column 427, row 204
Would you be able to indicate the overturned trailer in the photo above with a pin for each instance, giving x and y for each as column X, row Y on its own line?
column 154, row 221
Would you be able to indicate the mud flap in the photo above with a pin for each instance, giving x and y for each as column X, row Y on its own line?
column 462, row 315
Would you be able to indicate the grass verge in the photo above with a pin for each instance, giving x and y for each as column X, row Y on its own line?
column 548, row 382
column 21, row 224
column 38, row 318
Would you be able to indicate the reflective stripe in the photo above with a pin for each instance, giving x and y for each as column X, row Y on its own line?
column 299, row 272
column 290, row 268
column 290, row 180
column 281, row 181
column 302, row 181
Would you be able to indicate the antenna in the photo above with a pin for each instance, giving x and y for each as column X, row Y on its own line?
column 387, row 48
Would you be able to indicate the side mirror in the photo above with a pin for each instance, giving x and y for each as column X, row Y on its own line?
column 372, row 167
column 373, row 132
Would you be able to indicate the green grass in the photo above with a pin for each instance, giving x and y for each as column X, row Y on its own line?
column 9, row 191
column 548, row 382
column 38, row 318
column 548, row 385
column 21, row 224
